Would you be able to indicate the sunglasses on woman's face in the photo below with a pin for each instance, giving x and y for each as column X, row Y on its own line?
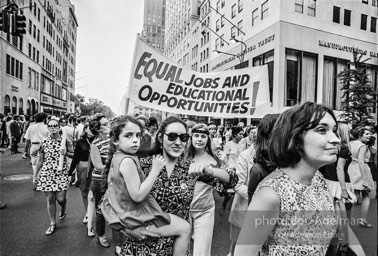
column 173, row 136
column 53, row 125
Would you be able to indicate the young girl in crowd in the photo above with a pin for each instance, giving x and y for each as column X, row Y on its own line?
column 128, row 202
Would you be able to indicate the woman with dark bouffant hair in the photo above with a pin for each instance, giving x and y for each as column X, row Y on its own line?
column 262, row 164
column 303, row 140
column 200, row 151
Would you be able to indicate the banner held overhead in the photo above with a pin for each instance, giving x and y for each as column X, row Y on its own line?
column 159, row 83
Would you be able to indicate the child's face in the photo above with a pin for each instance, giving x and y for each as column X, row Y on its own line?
column 129, row 139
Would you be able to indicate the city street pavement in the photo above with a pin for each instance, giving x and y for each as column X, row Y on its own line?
column 24, row 221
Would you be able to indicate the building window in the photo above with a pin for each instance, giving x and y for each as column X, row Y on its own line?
column 374, row 3
column 299, row 6
column 217, row 6
column 255, row 16
column 240, row 5
column 20, row 106
column 365, row 1
column 240, row 26
column 373, row 25
column 311, row 8
column 222, row 40
column 268, row 59
column 363, row 21
column 222, row 3
column 301, row 72
column 233, row 32
column 216, row 44
column 347, row 14
column 332, row 93
column 222, row 22
column 217, row 25
column 264, row 10
column 30, row 27
column 336, row 14
column 14, row 105
column 233, row 11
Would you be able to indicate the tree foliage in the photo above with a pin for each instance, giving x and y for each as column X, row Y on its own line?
column 92, row 107
column 359, row 97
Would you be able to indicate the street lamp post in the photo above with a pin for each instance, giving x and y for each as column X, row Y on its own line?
column 242, row 51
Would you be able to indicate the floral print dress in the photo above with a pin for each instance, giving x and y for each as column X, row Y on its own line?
column 174, row 195
column 50, row 179
column 306, row 222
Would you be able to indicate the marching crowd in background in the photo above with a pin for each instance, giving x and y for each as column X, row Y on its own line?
column 153, row 183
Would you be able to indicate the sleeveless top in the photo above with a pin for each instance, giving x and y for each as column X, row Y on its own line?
column 118, row 206
column 306, row 222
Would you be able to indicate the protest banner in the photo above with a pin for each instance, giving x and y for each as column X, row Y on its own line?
column 159, row 83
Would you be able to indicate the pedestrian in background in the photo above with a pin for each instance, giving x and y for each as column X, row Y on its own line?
column 262, row 166
column 15, row 134
column 145, row 142
column 28, row 121
column 152, row 128
column 249, row 139
column 80, row 163
column 36, row 133
column 359, row 172
column 303, row 140
column 53, row 182
column 231, row 152
column 99, row 152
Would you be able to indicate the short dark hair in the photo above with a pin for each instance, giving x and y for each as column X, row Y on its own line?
column 359, row 131
column 157, row 147
column 235, row 131
column 152, row 121
column 95, row 125
column 40, row 117
column 286, row 141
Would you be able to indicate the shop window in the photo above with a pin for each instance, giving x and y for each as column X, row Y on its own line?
column 363, row 21
column 336, row 14
column 347, row 14
column 332, row 93
column 267, row 59
column 298, row 6
column 301, row 72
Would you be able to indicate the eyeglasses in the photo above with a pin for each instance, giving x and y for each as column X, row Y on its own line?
column 53, row 125
column 173, row 136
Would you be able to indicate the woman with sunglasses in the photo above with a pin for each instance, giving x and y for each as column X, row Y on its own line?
column 80, row 163
column 173, row 188
column 51, row 181
column 200, row 151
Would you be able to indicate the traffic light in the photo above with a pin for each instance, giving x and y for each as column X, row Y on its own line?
column 19, row 24
column 5, row 21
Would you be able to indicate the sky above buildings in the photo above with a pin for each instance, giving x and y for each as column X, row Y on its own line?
column 105, row 44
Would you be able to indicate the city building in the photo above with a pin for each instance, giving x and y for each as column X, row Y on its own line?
column 153, row 34
column 38, row 69
column 304, row 43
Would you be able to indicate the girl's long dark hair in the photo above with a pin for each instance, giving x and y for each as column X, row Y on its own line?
column 116, row 127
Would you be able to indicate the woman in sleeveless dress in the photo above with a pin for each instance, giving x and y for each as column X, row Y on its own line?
column 359, row 172
column 281, row 219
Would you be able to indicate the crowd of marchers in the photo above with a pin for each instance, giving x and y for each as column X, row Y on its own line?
column 152, row 183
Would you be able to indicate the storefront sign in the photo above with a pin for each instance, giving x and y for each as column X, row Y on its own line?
column 346, row 48
column 57, row 102
column 14, row 88
column 249, row 49
column 46, row 99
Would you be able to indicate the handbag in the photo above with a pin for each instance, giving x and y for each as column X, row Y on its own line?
column 338, row 247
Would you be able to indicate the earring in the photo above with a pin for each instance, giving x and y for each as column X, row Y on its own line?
column 161, row 146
